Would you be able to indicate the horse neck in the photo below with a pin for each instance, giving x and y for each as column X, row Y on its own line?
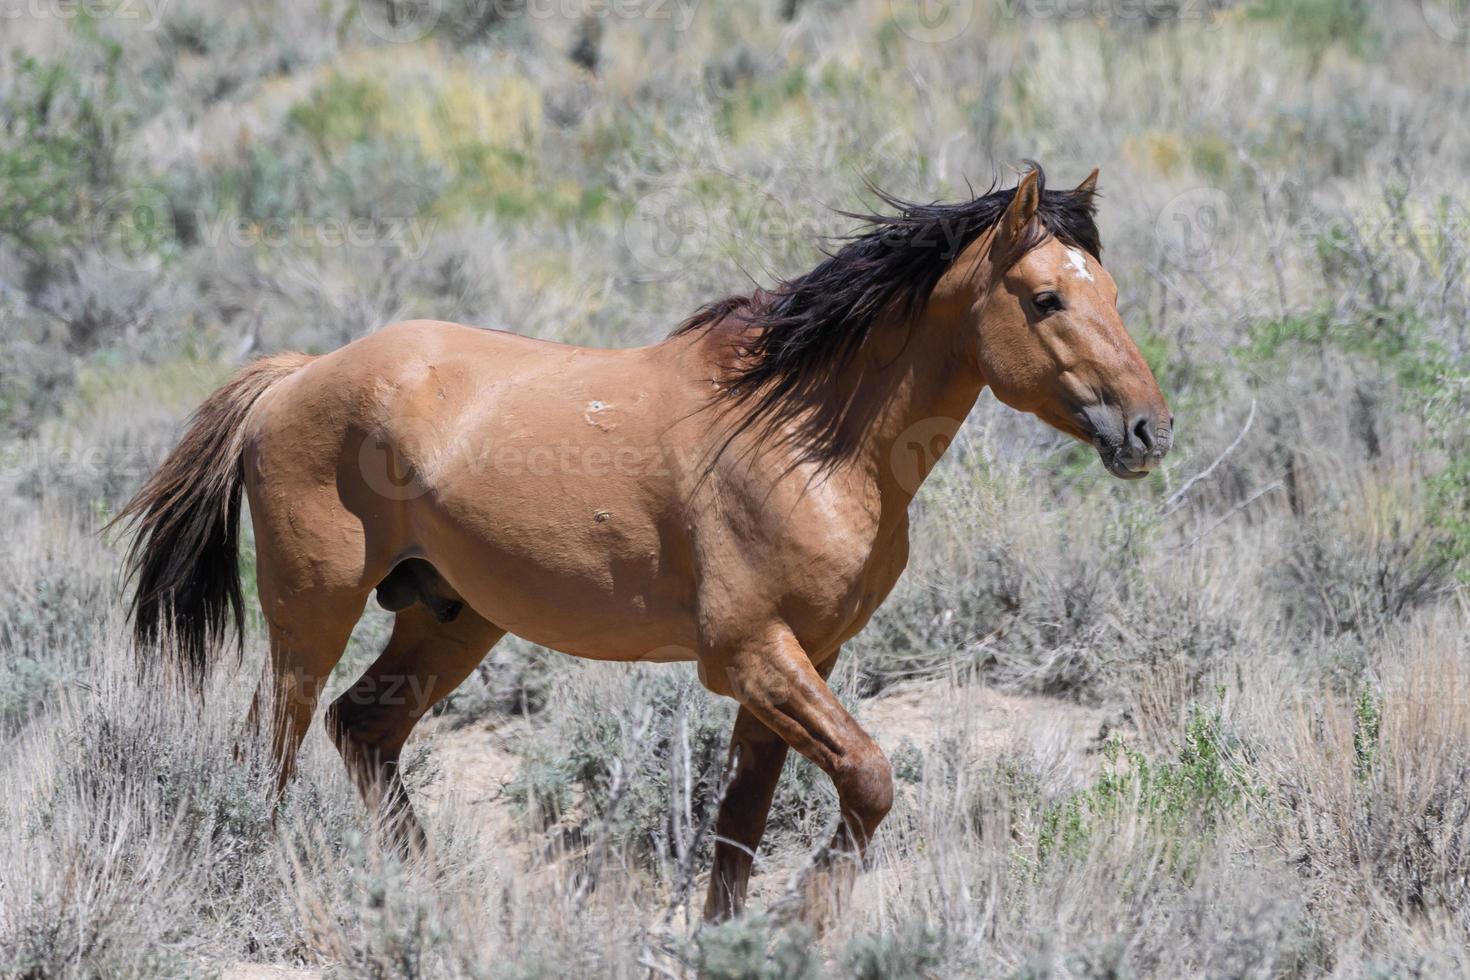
column 924, row 381
column 926, row 377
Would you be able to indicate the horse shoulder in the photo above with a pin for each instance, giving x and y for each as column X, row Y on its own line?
column 814, row 553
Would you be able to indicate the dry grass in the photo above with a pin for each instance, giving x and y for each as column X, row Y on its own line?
column 1211, row 725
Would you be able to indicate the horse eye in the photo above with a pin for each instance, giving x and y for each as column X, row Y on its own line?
column 1047, row 302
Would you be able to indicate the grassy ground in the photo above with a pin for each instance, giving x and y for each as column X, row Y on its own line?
column 1242, row 735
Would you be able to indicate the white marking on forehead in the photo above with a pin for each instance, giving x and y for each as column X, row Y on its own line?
column 1078, row 261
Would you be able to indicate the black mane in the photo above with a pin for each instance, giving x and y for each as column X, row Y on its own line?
column 796, row 337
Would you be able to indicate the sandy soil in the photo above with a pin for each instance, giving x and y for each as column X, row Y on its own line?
column 475, row 762
column 472, row 765
column 990, row 721
column 253, row 971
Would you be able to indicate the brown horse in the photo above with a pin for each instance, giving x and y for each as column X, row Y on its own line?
column 736, row 496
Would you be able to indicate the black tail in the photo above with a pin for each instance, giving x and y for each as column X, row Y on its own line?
column 184, row 557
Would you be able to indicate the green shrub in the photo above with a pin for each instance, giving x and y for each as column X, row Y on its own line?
column 1182, row 799
column 516, row 678
column 55, row 606
column 26, row 684
column 58, row 143
column 912, row 953
column 1315, row 24
column 34, row 377
column 617, row 759
column 1367, row 727
column 756, row 948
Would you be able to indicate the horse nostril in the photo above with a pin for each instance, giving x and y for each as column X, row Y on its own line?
column 1141, row 433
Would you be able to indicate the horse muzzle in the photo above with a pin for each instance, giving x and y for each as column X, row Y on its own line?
column 1130, row 450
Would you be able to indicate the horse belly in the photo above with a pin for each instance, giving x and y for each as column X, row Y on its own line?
column 597, row 584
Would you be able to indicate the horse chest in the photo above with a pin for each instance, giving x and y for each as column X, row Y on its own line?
column 841, row 590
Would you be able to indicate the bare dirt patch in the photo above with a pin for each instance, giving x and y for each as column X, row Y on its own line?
column 988, row 721
column 256, row 971
column 472, row 766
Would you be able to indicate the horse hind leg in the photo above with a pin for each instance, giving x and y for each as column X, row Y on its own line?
column 426, row 658
column 308, row 635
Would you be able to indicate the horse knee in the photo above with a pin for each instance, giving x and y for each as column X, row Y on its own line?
column 338, row 723
column 357, row 727
column 865, row 787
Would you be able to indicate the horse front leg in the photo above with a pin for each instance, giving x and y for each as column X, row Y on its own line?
column 777, row 685
column 757, row 756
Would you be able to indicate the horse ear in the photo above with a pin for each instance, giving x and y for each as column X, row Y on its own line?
column 1088, row 186
column 1022, row 207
